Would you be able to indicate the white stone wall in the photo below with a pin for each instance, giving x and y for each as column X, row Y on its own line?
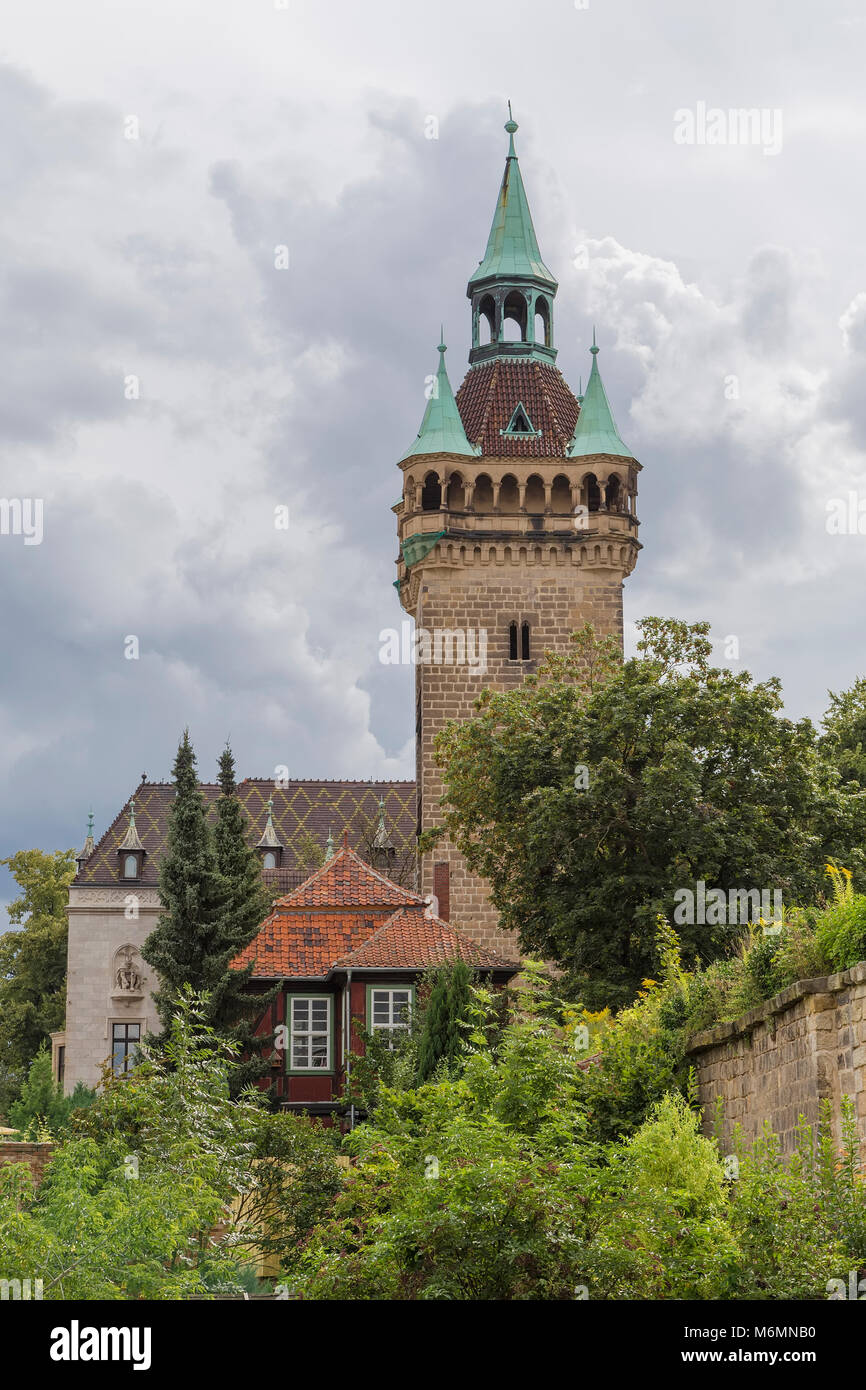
column 101, row 920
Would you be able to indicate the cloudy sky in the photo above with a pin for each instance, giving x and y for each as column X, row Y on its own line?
column 164, row 385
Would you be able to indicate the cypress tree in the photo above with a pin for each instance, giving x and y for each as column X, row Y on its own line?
column 188, row 944
column 441, row 1035
column 248, row 902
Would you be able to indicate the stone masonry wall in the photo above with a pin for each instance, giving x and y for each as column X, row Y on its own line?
column 780, row 1060
column 554, row 601
column 34, row 1155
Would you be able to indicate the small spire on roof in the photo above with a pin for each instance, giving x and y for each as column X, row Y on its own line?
column 89, row 845
column 382, row 840
column 330, row 846
column 345, row 839
column 130, row 840
column 269, row 835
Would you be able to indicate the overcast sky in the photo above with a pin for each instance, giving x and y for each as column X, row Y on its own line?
column 727, row 283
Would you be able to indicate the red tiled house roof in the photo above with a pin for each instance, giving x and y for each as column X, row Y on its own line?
column 346, row 915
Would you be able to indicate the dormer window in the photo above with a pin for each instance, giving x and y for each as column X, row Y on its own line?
column 269, row 847
column 131, row 851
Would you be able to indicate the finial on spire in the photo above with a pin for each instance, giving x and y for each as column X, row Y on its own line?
column 90, row 824
column 330, row 846
column 345, row 839
column 442, row 339
column 269, row 838
column 511, row 126
column 594, row 347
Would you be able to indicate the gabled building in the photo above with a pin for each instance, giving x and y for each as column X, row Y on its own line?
column 114, row 898
column 347, row 944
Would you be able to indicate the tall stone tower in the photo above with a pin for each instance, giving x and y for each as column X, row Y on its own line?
column 517, row 521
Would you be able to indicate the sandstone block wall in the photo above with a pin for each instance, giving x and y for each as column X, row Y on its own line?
column 780, row 1060
column 555, row 598
column 34, row 1155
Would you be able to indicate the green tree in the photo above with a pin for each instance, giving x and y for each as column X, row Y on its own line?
column 33, row 962
column 594, row 791
column 139, row 1201
column 234, row 1010
column 441, row 1037
column 42, row 1104
column 845, row 732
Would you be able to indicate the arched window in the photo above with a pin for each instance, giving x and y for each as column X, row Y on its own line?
column 431, row 493
column 613, row 494
column 483, row 493
column 535, row 494
column 524, row 642
column 130, row 866
column 514, row 318
column 560, row 496
column 592, row 492
column 486, row 320
column 512, row 642
column 509, row 494
column 542, row 321
column 456, row 493
column 270, row 860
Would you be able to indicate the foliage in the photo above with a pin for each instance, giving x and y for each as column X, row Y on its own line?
column 442, row 1036
column 296, row 1179
column 131, row 1202
column 42, row 1109
column 213, row 902
column 234, row 1010
column 693, row 773
column 33, row 962
column 845, row 732
column 841, row 929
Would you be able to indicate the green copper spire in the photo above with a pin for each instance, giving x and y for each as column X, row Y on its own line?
column 512, row 247
column 596, row 431
column 441, row 429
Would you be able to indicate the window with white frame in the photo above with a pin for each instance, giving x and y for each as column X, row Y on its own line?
column 390, row 1008
column 311, row 1033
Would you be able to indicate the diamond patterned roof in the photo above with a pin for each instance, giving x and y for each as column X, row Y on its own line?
column 301, row 807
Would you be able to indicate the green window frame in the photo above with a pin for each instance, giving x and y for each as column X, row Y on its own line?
column 384, row 1006
column 311, row 1036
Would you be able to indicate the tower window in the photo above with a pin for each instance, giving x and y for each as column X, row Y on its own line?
column 130, row 866
column 270, row 860
column 512, row 642
column 520, row 422
column 524, row 642
column 431, row 493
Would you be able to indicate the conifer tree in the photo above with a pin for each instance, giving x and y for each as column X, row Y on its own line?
column 441, row 1035
column 189, row 944
column 234, row 1010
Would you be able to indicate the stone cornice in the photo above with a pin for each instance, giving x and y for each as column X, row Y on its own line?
column 85, row 899
column 801, row 989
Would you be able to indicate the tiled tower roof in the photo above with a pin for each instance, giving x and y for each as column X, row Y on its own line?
column 490, row 394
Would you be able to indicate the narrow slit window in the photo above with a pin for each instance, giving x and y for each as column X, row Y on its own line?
column 524, row 642
column 512, row 642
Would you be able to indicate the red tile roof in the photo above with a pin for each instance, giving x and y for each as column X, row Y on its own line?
column 343, row 917
column 346, row 880
column 410, row 940
column 491, row 392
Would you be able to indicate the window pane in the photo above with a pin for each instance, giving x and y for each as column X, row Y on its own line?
column 301, row 1012
column 320, row 1013
column 299, row 1052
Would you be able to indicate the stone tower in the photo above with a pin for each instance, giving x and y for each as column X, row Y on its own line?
column 517, row 521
